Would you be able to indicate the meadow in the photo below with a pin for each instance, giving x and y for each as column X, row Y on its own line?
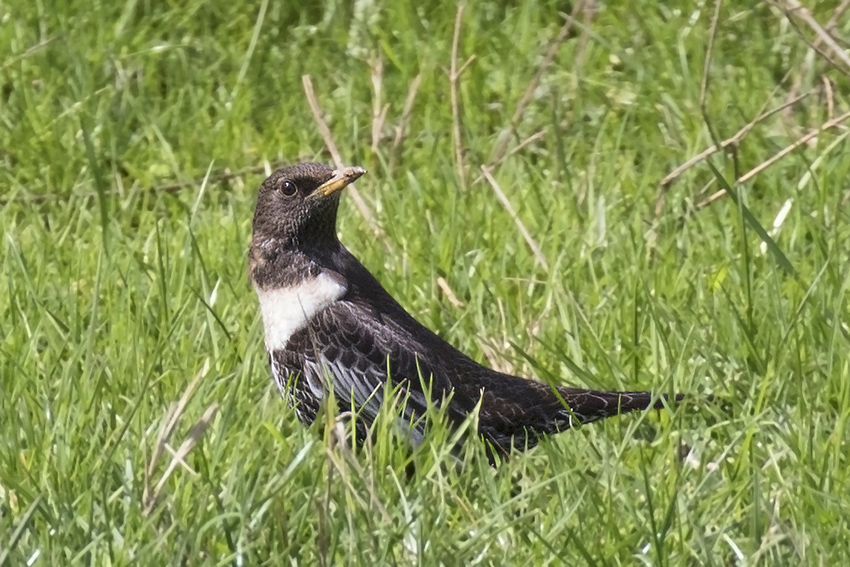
column 612, row 195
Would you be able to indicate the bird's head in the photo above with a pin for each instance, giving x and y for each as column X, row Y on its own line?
column 297, row 205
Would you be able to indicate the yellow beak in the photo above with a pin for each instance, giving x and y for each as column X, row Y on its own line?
column 341, row 178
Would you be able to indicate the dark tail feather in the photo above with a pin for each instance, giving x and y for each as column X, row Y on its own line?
column 521, row 411
column 587, row 406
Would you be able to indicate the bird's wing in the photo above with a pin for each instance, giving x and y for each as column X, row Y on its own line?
column 359, row 351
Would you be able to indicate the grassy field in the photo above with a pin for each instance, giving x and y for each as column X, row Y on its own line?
column 139, row 422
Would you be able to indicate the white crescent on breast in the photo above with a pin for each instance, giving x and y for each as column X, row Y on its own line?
column 287, row 309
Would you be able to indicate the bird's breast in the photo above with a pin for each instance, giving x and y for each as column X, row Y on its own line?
column 287, row 309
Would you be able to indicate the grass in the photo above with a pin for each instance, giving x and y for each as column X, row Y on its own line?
column 117, row 295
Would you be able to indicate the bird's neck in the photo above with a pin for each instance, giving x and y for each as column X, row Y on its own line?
column 274, row 264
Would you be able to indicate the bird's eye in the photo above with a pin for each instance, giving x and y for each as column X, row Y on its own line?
column 288, row 188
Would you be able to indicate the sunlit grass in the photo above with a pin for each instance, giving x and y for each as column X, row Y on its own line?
column 115, row 296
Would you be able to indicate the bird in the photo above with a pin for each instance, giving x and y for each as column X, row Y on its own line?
column 329, row 324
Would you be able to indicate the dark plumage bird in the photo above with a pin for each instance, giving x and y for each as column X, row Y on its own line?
column 328, row 322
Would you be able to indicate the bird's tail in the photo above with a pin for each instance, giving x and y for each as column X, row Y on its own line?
column 518, row 412
column 586, row 406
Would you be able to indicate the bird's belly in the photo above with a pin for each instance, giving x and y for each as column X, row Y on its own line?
column 299, row 384
column 304, row 383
